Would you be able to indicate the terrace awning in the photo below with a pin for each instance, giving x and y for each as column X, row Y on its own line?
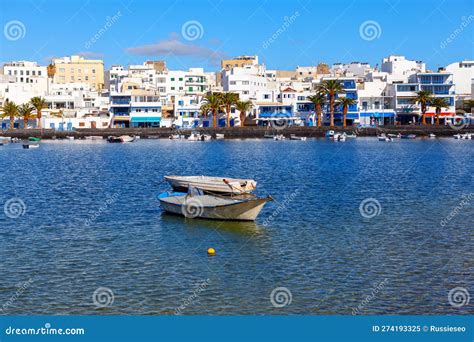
column 282, row 115
column 389, row 114
column 146, row 119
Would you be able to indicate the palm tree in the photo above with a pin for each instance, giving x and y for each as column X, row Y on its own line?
column 423, row 97
column 243, row 107
column 39, row 103
column 212, row 102
column 331, row 88
column 10, row 110
column 228, row 100
column 26, row 112
column 345, row 102
column 438, row 103
column 318, row 100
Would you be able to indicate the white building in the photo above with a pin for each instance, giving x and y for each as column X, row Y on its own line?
column 400, row 69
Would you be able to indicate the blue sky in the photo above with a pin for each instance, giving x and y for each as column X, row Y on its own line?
column 284, row 34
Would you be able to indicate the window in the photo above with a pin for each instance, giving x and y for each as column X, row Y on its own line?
column 266, row 96
column 190, row 89
column 180, row 78
column 86, row 78
column 93, row 71
column 245, row 92
column 21, row 72
column 82, row 124
column 27, row 73
column 62, row 70
column 33, row 73
column 232, row 83
column 245, row 82
column 172, row 88
column 172, row 79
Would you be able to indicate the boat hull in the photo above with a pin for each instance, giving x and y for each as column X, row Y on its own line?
column 190, row 207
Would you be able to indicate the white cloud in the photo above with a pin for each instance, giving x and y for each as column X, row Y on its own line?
column 174, row 47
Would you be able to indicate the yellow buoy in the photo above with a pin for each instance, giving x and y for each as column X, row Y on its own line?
column 211, row 251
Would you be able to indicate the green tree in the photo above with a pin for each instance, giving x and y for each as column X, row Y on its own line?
column 9, row 110
column 26, row 112
column 345, row 102
column 228, row 100
column 243, row 107
column 318, row 100
column 212, row 102
column 439, row 103
column 39, row 103
column 331, row 88
column 423, row 98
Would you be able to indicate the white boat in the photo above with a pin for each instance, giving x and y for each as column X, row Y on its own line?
column 212, row 207
column 122, row 139
column 70, row 138
column 338, row 137
column 432, row 136
column 279, row 137
column 390, row 135
column 219, row 136
column 196, row 136
column 294, row 137
column 220, row 185
column 385, row 138
column 350, row 136
column 30, row 146
column 176, row 137
column 457, row 136
column 466, row 136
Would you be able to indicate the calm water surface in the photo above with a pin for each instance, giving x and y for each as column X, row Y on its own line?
column 92, row 220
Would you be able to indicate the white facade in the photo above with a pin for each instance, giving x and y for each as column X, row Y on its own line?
column 400, row 69
column 463, row 73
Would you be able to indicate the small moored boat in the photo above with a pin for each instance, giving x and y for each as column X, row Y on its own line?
column 279, row 137
column 34, row 139
column 212, row 207
column 122, row 139
column 196, row 136
column 30, row 146
column 408, row 136
column 219, row 185
column 219, row 136
column 294, row 137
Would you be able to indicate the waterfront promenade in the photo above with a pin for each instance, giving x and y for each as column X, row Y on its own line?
column 236, row 132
